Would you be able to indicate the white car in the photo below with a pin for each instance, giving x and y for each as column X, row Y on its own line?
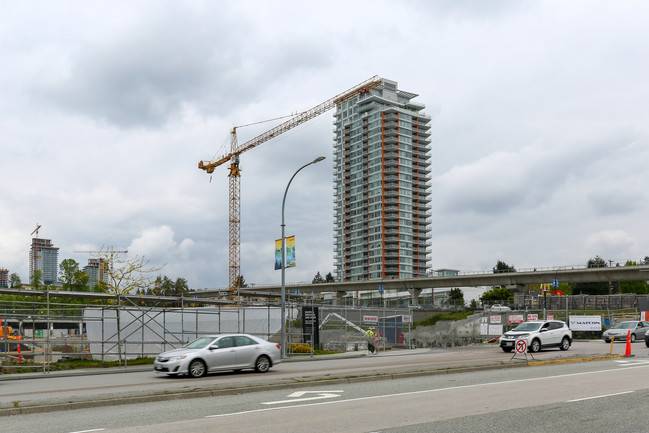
column 219, row 352
column 538, row 335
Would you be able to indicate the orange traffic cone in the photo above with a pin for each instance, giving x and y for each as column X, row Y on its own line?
column 628, row 344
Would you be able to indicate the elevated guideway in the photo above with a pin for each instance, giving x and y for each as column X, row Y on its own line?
column 515, row 280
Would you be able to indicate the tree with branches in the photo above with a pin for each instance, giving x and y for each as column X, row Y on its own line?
column 125, row 275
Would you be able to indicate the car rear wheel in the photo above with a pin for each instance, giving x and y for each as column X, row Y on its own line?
column 197, row 368
column 262, row 364
column 535, row 346
column 565, row 343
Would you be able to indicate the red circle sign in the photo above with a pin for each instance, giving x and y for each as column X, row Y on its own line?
column 521, row 346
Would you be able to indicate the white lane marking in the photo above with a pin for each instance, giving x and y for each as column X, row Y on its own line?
column 600, row 396
column 295, row 396
column 88, row 431
column 625, row 363
column 426, row 391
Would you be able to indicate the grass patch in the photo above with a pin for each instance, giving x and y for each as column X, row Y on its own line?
column 431, row 320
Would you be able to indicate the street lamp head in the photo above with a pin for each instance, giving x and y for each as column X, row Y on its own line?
column 318, row 159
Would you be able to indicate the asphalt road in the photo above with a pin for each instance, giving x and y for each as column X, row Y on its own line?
column 598, row 396
column 35, row 392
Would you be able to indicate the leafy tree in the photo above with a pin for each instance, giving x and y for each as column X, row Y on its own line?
column 14, row 281
column 181, row 287
column 73, row 278
column 329, row 278
column 502, row 267
column 318, row 279
column 241, row 282
column 593, row 288
column 638, row 287
column 457, row 296
column 497, row 294
column 36, row 280
column 67, row 269
column 596, row 262
column 162, row 286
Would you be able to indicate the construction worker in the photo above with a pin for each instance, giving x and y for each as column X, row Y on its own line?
column 369, row 335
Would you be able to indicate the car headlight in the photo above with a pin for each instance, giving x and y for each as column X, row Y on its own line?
column 522, row 336
column 177, row 358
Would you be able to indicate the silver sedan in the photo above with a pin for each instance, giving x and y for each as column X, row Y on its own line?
column 217, row 353
column 619, row 332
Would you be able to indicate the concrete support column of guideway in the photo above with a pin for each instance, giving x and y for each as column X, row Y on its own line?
column 414, row 294
column 520, row 290
column 339, row 299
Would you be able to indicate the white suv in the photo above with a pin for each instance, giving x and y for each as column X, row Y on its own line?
column 538, row 335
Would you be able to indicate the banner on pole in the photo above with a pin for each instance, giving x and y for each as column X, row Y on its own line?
column 290, row 252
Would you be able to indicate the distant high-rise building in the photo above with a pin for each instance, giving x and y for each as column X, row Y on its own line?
column 96, row 271
column 44, row 257
column 381, row 185
column 4, row 277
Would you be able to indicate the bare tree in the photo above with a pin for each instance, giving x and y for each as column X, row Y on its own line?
column 126, row 275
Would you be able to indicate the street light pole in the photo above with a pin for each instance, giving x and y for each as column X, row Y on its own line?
column 283, row 291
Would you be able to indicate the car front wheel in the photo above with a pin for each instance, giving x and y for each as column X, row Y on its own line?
column 565, row 344
column 197, row 368
column 535, row 346
column 632, row 338
column 507, row 349
column 262, row 364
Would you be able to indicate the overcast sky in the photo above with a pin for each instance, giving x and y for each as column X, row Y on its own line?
column 539, row 127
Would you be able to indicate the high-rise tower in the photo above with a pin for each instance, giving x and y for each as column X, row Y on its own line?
column 44, row 257
column 381, row 183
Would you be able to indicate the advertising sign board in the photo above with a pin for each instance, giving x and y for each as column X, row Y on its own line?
column 585, row 323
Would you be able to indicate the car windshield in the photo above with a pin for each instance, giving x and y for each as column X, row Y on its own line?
column 625, row 325
column 199, row 343
column 529, row 326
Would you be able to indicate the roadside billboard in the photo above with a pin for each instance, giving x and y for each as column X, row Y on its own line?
column 585, row 323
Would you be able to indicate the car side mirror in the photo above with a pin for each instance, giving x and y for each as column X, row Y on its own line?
column 544, row 329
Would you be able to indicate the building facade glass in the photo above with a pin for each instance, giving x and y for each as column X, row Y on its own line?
column 381, row 185
column 44, row 257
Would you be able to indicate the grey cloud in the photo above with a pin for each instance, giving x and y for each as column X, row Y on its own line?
column 147, row 76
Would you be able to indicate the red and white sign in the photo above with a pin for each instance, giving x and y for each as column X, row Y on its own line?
column 533, row 316
column 550, row 316
column 495, row 319
column 516, row 318
column 371, row 319
column 521, row 346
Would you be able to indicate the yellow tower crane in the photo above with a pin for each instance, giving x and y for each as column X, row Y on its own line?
column 234, row 199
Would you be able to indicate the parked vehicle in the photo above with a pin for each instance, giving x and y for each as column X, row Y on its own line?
column 638, row 329
column 499, row 308
column 219, row 352
column 538, row 335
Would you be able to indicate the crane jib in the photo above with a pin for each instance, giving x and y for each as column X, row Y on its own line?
column 234, row 175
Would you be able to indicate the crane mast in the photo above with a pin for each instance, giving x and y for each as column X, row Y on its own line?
column 234, row 176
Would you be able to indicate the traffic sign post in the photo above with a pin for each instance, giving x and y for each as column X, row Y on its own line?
column 520, row 347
